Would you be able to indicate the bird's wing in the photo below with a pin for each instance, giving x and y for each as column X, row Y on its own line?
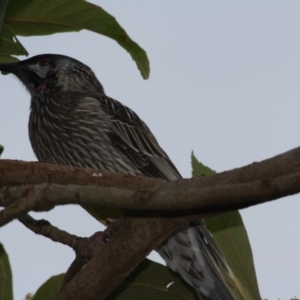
column 188, row 252
column 195, row 262
column 135, row 140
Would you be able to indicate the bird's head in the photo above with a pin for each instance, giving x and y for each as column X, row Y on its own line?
column 53, row 72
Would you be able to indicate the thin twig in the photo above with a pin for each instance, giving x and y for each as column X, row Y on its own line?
column 43, row 227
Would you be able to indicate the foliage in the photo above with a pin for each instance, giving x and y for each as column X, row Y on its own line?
column 6, row 290
column 49, row 289
column 231, row 237
column 150, row 280
column 42, row 17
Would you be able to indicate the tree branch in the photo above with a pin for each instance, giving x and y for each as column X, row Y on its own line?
column 127, row 247
column 18, row 173
column 45, row 228
column 132, row 238
column 213, row 200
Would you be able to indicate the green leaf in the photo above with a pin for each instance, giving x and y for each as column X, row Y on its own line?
column 42, row 17
column 9, row 44
column 7, row 59
column 49, row 289
column 151, row 280
column 199, row 169
column 1, row 149
column 6, row 290
column 3, row 5
column 231, row 237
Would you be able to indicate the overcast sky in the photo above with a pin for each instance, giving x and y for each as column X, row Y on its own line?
column 224, row 83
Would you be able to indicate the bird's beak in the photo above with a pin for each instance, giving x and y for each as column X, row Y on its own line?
column 16, row 68
column 24, row 72
column 10, row 68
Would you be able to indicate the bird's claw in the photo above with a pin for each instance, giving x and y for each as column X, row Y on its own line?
column 98, row 238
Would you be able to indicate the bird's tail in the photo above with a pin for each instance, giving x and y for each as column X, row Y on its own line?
column 192, row 252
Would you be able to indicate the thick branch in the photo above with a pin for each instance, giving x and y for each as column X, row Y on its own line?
column 125, row 250
column 214, row 199
column 133, row 238
column 239, row 188
column 17, row 173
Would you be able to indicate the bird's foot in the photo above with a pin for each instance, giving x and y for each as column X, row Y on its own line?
column 98, row 238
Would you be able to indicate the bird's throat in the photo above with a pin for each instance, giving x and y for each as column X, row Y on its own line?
column 41, row 85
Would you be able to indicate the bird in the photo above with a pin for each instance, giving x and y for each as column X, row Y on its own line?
column 73, row 122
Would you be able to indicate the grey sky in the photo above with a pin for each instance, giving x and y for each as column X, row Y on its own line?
column 224, row 82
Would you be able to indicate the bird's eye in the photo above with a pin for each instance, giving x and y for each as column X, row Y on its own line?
column 45, row 62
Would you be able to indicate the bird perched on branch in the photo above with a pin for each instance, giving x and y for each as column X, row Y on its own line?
column 73, row 122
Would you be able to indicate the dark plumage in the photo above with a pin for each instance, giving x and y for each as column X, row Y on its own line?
column 72, row 122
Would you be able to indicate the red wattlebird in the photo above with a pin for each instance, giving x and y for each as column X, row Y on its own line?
column 72, row 122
